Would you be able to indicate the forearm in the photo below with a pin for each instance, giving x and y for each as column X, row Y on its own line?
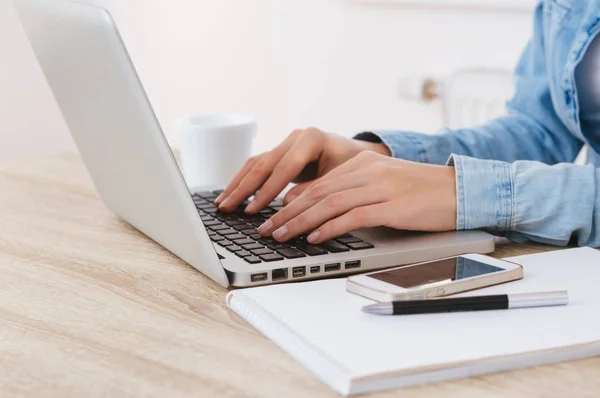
column 509, row 138
column 529, row 200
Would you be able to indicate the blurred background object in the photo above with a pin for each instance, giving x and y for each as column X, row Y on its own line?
column 468, row 97
column 334, row 64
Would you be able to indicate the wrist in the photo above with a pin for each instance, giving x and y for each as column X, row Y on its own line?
column 381, row 149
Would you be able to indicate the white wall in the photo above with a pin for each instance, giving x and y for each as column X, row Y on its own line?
column 30, row 122
column 333, row 64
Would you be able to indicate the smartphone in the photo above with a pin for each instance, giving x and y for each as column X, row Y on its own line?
column 434, row 278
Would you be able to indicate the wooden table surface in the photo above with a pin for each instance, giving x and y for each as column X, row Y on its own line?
column 90, row 307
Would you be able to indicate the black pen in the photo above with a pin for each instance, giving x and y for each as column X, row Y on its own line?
column 472, row 303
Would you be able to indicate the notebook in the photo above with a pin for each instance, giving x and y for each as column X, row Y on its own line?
column 322, row 326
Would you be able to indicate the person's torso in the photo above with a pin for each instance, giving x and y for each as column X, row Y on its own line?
column 572, row 53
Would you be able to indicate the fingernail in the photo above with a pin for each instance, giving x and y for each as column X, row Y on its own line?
column 225, row 202
column 265, row 228
column 280, row 233
column 313, row 237
column 219, row 198
column 251, row 208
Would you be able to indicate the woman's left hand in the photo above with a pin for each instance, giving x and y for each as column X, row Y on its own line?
column 370, row 190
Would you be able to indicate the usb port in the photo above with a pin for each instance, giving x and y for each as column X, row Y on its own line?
column 332, row 267
column 315, row 269
column 352, row 264
column 297, row 272
column 258, row 277
column 279, row 274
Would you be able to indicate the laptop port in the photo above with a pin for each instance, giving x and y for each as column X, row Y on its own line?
column 314, row 269
column 279, row 274
column 258, row 277
column 352, row 264
column 297, row 272
column 333, row 267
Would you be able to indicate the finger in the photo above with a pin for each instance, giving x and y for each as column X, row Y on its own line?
column 329, row 208
column 295, row 192
column 313, row 195
column 305, row 150
column 249, row 179
column 361, row 217
column 237, row 179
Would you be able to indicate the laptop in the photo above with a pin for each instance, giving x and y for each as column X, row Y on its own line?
column 123, row 147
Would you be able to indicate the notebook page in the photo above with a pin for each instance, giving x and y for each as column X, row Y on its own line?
column 323, row 313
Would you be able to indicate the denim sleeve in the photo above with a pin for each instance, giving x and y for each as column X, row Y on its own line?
column 529, row 200
column 530, row 131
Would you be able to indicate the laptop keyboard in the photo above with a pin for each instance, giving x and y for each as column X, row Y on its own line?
column 236, row 232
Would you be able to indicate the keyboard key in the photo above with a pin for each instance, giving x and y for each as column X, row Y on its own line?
column 267, row 241
column 217, row 192
column 334, row 246
column 276, row 208
column 227, row 231
column 218, row 227
column 266, row 213
column 238, row 211
column 250, row 231
column 252, row 259
column 243, row 253
column 244, row 241
column 234, row 248
column 255, row 236
column 345, row 236
column 205, row 195
column 210, row 223
column 257, row 223
column 216, row 238
column 225, row 243
column 225, row 217
column 234, row 236
column 277, row 246
column 299, row 240
column 210, row 211
column 205, row 206
column 360, row 245
column 244, row 226
column 270, row 257
column 351, row 239
column 206, row 218
column 252, row 246
column 312, row 250
column 235, row 222
column 290, row 253
column 260, row 252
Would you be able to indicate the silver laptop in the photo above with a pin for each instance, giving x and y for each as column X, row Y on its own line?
column 120, row 140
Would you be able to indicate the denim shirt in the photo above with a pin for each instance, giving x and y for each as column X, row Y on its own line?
column 514, row 175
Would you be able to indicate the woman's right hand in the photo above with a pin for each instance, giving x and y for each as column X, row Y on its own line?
column 304, row 156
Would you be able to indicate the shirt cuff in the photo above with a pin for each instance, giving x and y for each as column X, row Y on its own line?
column 403, row 145
column 485, row 196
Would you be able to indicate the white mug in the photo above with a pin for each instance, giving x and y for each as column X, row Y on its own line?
column 215, row 147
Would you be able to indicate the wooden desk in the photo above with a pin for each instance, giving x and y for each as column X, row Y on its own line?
column 90, row 307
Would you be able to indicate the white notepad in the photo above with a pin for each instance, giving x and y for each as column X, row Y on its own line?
column 322, row 326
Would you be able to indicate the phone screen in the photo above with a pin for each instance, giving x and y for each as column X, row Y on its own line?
column 451, row 269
